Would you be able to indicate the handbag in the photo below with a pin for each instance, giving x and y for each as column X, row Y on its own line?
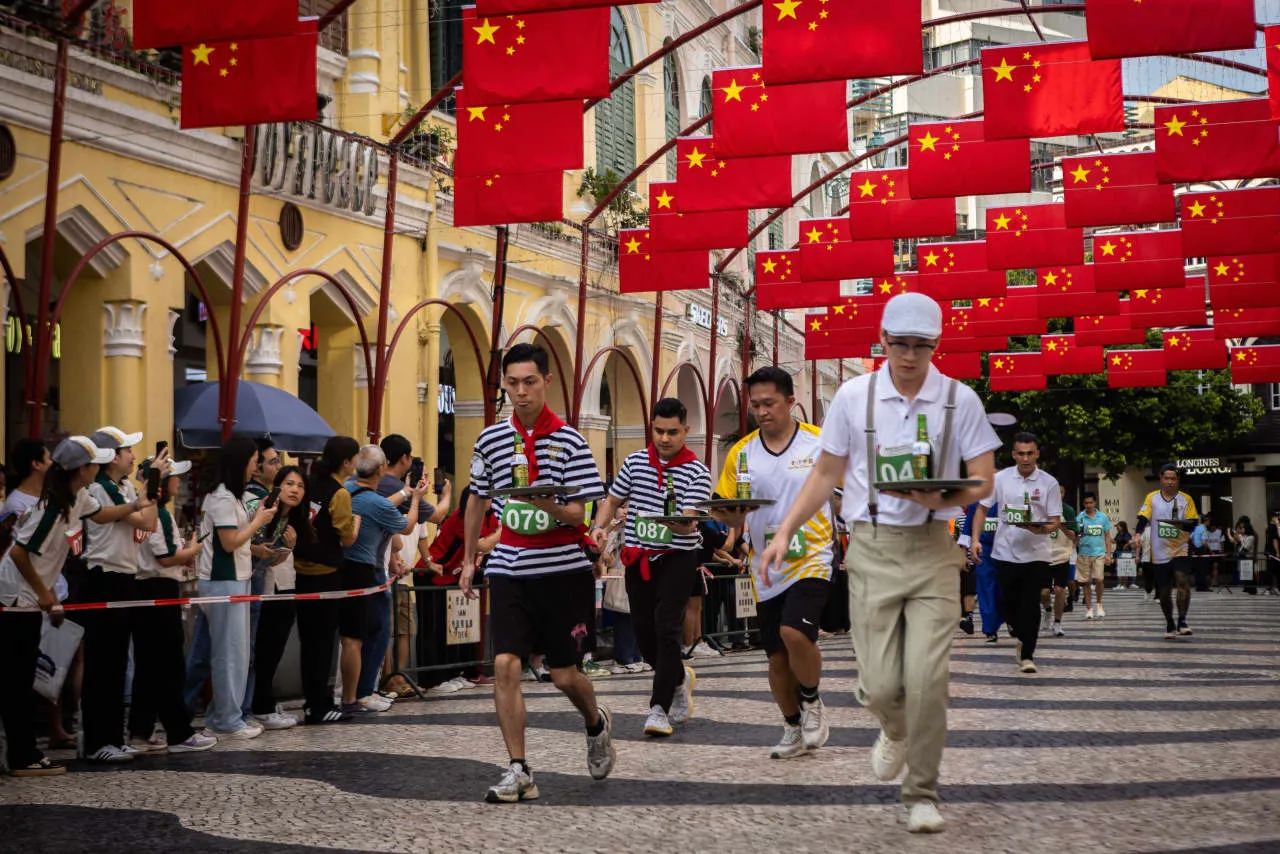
column 615, row 596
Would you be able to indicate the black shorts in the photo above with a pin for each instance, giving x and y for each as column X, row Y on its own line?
column 353, row 613
column 551, row 614
column 969, row 581
column 1060, row 574
column 1167, row 573
column 799, row 607
column 700, row 582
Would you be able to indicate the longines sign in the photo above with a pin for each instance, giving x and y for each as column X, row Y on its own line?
column 310, row 162
column 1205, row 465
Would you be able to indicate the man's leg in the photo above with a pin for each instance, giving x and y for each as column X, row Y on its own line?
column 377, row 640
column 508, row 700
column 578, row 688
column 1012, row 580
column 692, row 621
column 1098, row 585
column 1183, row 581
column 640, row 593
column 989, row 596
column 1163, row 574
column 1060, row 584
column 783, row 686
column 199, row 661
column 673, row 577
column 875, row 605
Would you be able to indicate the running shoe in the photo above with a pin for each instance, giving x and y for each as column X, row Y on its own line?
column 1170, row 632
column 278, row 719
column 148, row 745
column 1088, row 613
column 42, row 767
column 888, row 757
column 682, row 702
column 702, row 649
column 199, row 742
column 638, row 667
column 966, row 625
column 1099, row 613
column 244, row 733
column 600, row 750
column 543, row 674
column 923, row 817
column 516, row 785
column 619, row 669
column 528, row 676
column 331, row 715
column 1027, row 666
column 372, row 703
column 993, row 638
column 657, row 724
column 592, row 669
column 1184, row 629
column 814, row 726
column 792, row 744
column 110, row 754
column 1058, row 631
column 451, row 686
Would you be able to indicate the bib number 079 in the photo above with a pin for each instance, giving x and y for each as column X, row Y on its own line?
column 526, row 519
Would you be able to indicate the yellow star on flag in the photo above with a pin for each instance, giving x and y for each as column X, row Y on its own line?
column 1002, row 221
column 733, row 92
column 201, row 54
column 816, row 325
column 787, row 9
column 664, row 200
column 928, row 141
column 867, row 189
column 1108, row 248
column 1221, row 269
column 931, row 260
column 770, row 265
column 1004, row 71
column 633, row 246
column 695, row 158
column 474, row 113
column 1051, row 279
column 1080, row 173
column 814, row 236
column 1115, row 360
column 485, row 32
column 1174, row 126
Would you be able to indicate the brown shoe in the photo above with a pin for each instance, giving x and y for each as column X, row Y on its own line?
column 41, row 768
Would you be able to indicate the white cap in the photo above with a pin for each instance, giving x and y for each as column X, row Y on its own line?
column 912, row 314
column 115, row 438
column 76, row 451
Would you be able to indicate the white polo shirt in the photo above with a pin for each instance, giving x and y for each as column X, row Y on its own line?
column 895, row 424
column 1014, row 544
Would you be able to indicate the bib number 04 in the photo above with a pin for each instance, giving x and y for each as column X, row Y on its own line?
column 894, row 464
column 526, row 519
column 796, row 548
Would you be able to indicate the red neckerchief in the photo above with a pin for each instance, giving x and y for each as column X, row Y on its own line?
column 632, row 555
column 683, row 456
column 548, row 422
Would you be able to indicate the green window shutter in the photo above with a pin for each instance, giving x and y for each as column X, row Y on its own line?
column 616, row 117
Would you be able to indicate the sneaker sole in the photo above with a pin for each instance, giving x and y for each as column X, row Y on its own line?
column 529, row 794
column 179, row 748
column 42, row 772
column 654, row 732
column 824, row 734
column 778, row 754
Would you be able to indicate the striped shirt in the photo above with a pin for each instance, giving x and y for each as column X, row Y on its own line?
column 564, row 459
column 637, row 482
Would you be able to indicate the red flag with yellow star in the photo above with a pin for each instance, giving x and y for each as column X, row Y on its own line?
column 950, row 271
column 958, row 332
column 1116, row 189
column 1138, row 259
column 955, row 159
column 1271, row 43
column 542, row 56
column 1193, row 350
column 1016, row 372
column 880, row 205
column 1244, row 281
column 1017, row 313
column 828, row 335
column 778, row 283
column 751, row 119
column 1065, row 291
column 1211, row 142
column 1246, row 323
column 1031, row 236
column 1162, row 307
column 828, row 252
column 673, row 229
column 1049, row 89
column 1063, row 355
column 1231, row 221
column 510, row 7
column 886, row 288
column 538, row 137
column 1255, row 364
column 1136, row 369
column 164, row 23
column 642, row 270
column 710, row 181
column 957, row 364
column 223, row 82
column 837, row 39
column 500, row 198
column 1108, row 329
column 1119, row 28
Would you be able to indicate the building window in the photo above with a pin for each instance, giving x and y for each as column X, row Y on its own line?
column 446, row 44
column 616, row 116
column 949, row 54
column 775, row 234
column 1273, row 396
column 671, row 90
column 704, row 104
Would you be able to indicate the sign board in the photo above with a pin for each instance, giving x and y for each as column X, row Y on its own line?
column 1246, row 569
column 462, row 618
column 310, row 162
column 1203, row 466
column 1126, row 566
column 744, row 598
column 701, row 316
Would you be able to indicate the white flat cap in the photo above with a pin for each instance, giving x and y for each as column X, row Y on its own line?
column 912, row 314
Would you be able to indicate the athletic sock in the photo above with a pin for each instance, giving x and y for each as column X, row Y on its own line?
column 524, row 766
column 793, row 720
column 593, row 731
column 809, row 695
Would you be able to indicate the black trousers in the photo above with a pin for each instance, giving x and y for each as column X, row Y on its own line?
column 657, row 612
column 106, row 657
column 159, row 665
column 1020, row 586
column 19, row 649
column 317, row 637
column 275, row 623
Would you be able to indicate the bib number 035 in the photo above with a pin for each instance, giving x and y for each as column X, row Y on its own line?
column 526, row 519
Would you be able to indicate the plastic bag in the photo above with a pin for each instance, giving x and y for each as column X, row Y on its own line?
column 57, row 651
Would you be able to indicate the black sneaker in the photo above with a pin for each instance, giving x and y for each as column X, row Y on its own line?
column 331, row 715
column 966, row 625
column 993, row 638
column 1070, row 606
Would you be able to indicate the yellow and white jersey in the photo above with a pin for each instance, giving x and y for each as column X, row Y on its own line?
column 780, row 477
column 1167, row 541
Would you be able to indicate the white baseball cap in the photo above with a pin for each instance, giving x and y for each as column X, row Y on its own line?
column 75, row 451
column 912, row 314
column 115, row 438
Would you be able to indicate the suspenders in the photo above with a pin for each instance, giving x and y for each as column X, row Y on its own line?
column 869, row 431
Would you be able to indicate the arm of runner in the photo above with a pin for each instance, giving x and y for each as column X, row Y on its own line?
column 608, row 509
column 572, row 514
column 979, row 520
column 477, row 508
column 981, row 467
column 814, row 495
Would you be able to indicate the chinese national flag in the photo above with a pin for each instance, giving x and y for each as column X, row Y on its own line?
column 1130, row 28
column 498, row 199
column 1116, row 189
column 888, row 287
column 511, row 7
column 1136, row 369
column 1016, row 372
column 1271, row 41
column 1223, row 140
column 1015, row 314
column 1244, row 281
column 1255, row 364
column 778, row 282
column 881, row 206
column 950, row 271
column 1193, row 350
column 710, row 181
column 957, row 364
column 1138, row 259
column 1108, row 329
column 642, row 270
column 223, row 82
column 164, row 23
column 955, row 159
column 827, row 252
column 830, row 335
column 812, row 40
column 675, row 230
column 1068, row 290
column 543, row 56
column 752, row 120
column 1031, row 236
column 1049, row 89
column 1246, row 323
column 517, row 137
column 958, row 332
column 1231, row 221
column 1162, row 307
column 853, row 314
column 1063, row 355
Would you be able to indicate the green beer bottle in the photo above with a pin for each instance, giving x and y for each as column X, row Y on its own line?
column 921, row 450
column 744, row 477
column 519, row 465
column 669, row 505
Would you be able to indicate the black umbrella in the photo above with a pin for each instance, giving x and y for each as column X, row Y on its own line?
column 260, row 411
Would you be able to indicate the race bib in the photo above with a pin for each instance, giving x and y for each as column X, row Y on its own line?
column 1093, row 530
column 990, row 525
column 652, row 533
column 1168, row 531
column 526, row 519
column 1014, row 515
column 894, row 464
column 140, row 536
column 796, row 549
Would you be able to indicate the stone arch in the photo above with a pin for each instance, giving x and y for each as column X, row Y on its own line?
column 552, row 337
column 551, row 310
column 467, row 286
column 217, row 268
column 627, row 335
column 687, row 386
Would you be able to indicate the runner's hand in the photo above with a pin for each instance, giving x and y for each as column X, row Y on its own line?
column 598, row 536
column 465, row 580
column 546, row 503
column 774, row 555
column 975, row 552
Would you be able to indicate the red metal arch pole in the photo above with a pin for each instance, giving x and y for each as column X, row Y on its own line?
column 747, row 313
column 711, row 360
column 656, row 366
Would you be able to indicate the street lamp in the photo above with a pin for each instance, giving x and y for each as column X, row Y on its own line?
column 878, row 159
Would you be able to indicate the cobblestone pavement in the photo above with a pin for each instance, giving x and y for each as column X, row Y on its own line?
column 1124, row 742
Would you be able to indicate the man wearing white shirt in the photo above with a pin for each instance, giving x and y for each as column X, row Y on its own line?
column 1022, row 551
column 904, row 568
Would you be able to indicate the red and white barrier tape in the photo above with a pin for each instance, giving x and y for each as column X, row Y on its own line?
column 211, row 600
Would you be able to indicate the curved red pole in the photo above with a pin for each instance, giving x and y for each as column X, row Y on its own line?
column 635, row 374
column 702, row 383
column 450, row 308
column 242, row 347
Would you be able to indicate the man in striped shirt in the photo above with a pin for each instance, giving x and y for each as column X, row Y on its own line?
column 541, row 586
column 661, row 559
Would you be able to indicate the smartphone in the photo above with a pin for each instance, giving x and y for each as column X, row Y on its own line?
column 160, row 446
column 438, row 478
column 153, row 484
column 415, row 472
column 272, row 498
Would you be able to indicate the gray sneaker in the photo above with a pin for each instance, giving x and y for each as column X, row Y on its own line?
column 792, row 744
column 516, row 785
column 600, row 751
column 682, row 702
column 814, row 726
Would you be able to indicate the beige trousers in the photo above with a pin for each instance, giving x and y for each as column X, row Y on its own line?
column 904, row 603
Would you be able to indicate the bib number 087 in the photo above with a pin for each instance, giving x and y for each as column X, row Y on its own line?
column 652, row 532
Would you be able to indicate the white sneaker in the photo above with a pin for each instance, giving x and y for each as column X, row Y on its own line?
column 148, row 745
column 109, row 753
column 277, row 720
column 1088, row 613
column 682, row 702
column 1027, row 666
column 703, row 650
column 888, row 757
column 924, row 818
column 198, row 742
column 1057, row 631
column 814, row 725
column 244, row 733
column 636, row 667
column 792, row 744
column 601, row 754
column 515, row 785
column 376, row 703
column 451, row 687
column 527, row 676
column 657, row 724
column 619, row 670
column 1099, row 613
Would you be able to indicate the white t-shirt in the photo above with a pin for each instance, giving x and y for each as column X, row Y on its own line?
column 1014, row 544
column 17, row 503
column 165, row 541
column 780, row 477
column 48, row 538
column 1213, row 541
column 223, row 511
column 113, row 546
column 895, row 425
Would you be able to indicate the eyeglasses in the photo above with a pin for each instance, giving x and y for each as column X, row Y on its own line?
column 902, row 348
